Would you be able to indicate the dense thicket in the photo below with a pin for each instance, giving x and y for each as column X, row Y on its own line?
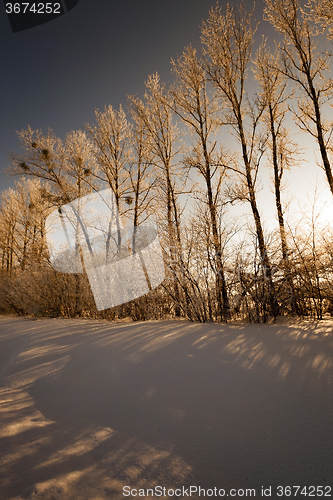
column 173, row 142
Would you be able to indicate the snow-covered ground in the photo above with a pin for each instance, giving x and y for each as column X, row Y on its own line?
column 88, row 407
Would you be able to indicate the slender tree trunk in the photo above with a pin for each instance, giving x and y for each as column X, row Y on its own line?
column 221, row 288
column 171, row 232
column 320, row 135
column 259, row 231
column 277, row 186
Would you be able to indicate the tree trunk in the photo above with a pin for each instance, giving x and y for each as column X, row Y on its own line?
column 277, row 185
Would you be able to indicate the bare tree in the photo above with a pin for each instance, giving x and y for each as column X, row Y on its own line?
column 311, row 258
column 156, row 116
column 44, row 158
column 9, row 214
column 282, row 149
column 66, row 166
column 79, row 164
column 197, row 107
column 111, row 138
column 142, row 175
column 228, row 39
column 307, row 66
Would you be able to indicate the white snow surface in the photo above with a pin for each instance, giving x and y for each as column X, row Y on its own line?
column 88, row 407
